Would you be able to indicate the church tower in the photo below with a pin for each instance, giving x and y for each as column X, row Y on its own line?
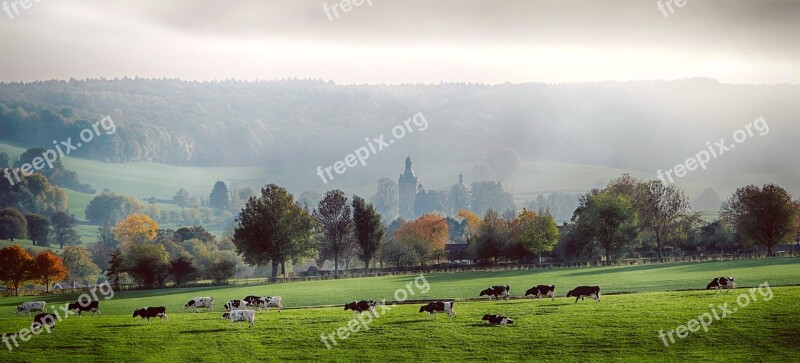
column 408, row 185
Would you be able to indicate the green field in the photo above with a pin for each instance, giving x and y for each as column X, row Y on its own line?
column 624, row 326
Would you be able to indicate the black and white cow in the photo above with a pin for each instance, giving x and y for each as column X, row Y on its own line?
column 585, row 291
column 447, row 307
column 235, row 305
column 361, row 306
column 92, row 306
column 540, row 291
column 200, row 303
column 264, row 302
column 43, row 320
column 28, row 307
column 239, row 316
column 496, row 291
column 722, row 283
column 498, row 319
column 159, row 312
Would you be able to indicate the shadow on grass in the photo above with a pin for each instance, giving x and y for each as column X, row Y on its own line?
column 408, row 321
column 485, row 325
column 204, row 331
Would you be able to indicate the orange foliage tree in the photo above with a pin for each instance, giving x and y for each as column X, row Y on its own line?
column 47, row 268
column 430, row 228
column 135, row 229
column 15, row 266
column 473, row 223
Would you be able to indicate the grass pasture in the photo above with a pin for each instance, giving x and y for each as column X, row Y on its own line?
column 623, row 326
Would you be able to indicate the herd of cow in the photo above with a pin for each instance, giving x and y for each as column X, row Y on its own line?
column 239, row 311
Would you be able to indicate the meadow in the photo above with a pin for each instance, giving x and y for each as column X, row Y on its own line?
column 637, row 302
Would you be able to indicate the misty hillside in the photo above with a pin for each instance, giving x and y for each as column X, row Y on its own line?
column 295, row 126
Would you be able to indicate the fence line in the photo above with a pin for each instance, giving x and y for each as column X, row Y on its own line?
column 376, row 272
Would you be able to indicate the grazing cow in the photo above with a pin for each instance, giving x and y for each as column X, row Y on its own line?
column 28, row 307
column 43, row 319
column 200, row 302
column 361, row 306
column 722, row 283
column 498, row 319
column 238, row 316
column 93, row 306
column 583, row 291
column 264, row 302
column 159, row 312
column 235, row 305
column 447, row 307
column 539, row 291
column 496, row 291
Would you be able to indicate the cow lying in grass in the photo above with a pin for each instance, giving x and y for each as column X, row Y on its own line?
column 722, row 283
column 498, row 319
column 585, row 291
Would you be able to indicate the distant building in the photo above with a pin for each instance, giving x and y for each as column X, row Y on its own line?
column 408, row 185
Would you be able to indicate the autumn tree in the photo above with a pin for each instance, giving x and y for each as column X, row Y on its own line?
column 335, row 224
column 15, row 267
column 135, row 229
column 274, row 228
column 47, row 268
column 765, row 215
column 473, row 223
column 369, row 229
column 430, row 228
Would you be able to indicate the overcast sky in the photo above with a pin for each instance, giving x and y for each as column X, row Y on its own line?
column 403, row 41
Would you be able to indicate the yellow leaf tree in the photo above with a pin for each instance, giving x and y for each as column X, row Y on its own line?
column 430, row 228
column 135, row 229
column 473, row 223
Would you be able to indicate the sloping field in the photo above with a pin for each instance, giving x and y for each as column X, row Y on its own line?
column 621, row 327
